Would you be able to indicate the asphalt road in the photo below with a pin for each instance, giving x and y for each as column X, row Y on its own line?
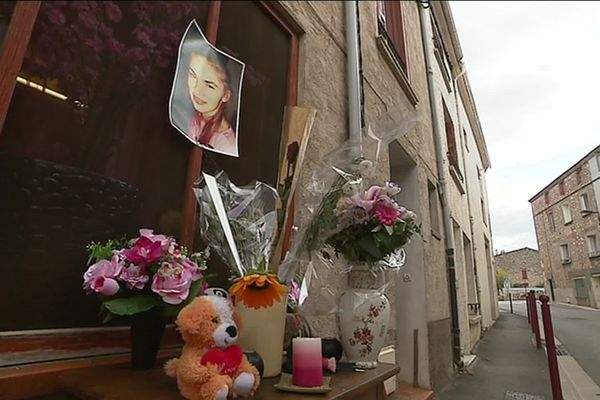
column 577, row 329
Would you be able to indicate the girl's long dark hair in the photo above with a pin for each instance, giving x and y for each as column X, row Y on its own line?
column 226, row 111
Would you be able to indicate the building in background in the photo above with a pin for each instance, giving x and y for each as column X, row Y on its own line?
column 520, row 268
column 109, row 123
column 567, row 226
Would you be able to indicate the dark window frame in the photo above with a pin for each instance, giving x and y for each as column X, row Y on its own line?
column 12, row 52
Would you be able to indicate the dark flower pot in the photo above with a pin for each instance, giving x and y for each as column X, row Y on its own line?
column 147, row 329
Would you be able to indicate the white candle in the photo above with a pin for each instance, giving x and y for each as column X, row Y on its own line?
column 307, row 364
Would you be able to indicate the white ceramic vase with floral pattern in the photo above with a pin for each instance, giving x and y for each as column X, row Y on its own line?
column 363, row 319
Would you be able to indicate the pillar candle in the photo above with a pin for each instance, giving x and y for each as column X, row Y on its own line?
column 307, row 368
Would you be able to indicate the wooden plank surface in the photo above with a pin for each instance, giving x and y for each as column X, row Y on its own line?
column 121, row 383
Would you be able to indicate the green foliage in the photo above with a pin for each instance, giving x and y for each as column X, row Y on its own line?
column 103, row 251
column 501, row 275
column 371, row 242
column 131, row 305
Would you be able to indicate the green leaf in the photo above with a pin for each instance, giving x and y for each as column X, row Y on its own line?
column 369, row 245
column 132, row 305
column 389, row 229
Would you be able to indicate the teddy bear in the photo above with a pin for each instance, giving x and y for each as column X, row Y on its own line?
column 211, row 365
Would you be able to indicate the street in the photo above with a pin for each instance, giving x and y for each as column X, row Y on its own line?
column 578, row 329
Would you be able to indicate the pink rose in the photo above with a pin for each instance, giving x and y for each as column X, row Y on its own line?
column 144, row 252
column 172, row 282
column 192, row 267
column 101, row 277
column 134, row 276
column 149, row 233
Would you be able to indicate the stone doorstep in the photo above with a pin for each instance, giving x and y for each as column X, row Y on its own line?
column 407, row 392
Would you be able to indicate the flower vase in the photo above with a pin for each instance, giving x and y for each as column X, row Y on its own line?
column 147, row 329
column 363, row 319
column 263, row 331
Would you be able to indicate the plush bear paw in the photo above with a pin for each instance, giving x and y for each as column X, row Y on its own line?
column 222, row 393
column 243, row 384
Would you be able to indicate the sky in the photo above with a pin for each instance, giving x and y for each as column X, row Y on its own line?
column 533, row 72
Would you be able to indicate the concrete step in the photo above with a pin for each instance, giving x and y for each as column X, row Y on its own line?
column 407, row 392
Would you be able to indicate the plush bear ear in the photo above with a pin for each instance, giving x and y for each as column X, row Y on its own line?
column 193, row 317
column 216, row 291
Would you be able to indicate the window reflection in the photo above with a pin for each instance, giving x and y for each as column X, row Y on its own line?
column 87, row 151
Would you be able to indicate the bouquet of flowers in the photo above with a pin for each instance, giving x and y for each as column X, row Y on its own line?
column 240, row 225
column 371, row 227
column 151, row 271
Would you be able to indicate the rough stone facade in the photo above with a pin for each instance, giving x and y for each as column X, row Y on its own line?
column 419, row 295
column 522, row 267
column 573, row 277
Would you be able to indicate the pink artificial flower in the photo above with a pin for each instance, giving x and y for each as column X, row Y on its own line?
column 101, row 277
column 144, row 252
column 172, row 282
column 386, row 214
column 134, row 276
column 373, row 193
column 149, row 233
column 294, row 292
column 192, row 267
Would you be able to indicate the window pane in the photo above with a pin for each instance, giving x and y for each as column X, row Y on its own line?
column 87, row 151
column 6, row 10
column 265, row 49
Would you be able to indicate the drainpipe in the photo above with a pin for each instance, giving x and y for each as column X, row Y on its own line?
column 353, row 73
column 442, row 185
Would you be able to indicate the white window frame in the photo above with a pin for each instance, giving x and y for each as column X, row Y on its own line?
column 565, row 254
column 592, row 245
column 566, row 211
column 584, row 201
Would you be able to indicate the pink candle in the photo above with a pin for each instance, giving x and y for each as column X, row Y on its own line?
column 308, row 366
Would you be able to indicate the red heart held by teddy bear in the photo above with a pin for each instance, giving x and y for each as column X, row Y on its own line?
column 229, row 359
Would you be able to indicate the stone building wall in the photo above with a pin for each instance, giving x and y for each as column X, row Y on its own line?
column 553, row 230
column 515, row 262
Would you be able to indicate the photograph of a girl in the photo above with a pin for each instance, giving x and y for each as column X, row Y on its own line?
column 204, row 103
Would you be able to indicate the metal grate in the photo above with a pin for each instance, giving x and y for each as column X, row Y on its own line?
column 521, row 396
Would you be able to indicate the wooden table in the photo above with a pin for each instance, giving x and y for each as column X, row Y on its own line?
column 121, row 383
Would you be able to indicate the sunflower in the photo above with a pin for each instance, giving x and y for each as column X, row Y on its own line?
column 257, row 290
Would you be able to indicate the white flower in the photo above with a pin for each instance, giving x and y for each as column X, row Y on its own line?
column 366, row 169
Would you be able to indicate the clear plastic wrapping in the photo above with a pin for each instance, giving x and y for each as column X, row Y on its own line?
column 238, row 223
column 348, row 220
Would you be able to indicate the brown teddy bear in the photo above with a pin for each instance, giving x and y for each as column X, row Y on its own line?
column 211, row 365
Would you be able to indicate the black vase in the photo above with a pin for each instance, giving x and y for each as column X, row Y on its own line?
column 147, row 329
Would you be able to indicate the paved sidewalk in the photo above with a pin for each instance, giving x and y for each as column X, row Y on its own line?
column 508, row 366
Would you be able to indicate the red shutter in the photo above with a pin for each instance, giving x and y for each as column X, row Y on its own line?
column 395, row 28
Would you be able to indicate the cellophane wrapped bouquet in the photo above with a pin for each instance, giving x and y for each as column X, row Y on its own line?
column 351, row 218
column 240, row 225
